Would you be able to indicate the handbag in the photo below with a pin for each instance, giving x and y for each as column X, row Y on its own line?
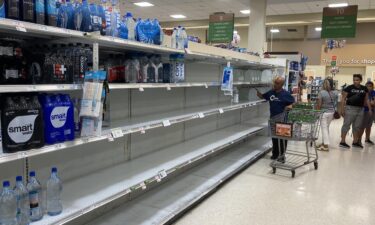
column 336, row 115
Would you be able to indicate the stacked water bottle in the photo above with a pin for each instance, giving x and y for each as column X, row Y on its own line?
column 86, row 16
column 25, row 203
column 141, row 68
column 180, row 39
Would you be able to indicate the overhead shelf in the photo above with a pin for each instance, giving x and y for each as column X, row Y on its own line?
column 159, row 206
column 93, row 191
column 194, row 52
column 115, row 86
column 134, row 125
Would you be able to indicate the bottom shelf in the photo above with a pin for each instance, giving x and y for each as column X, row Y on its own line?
column 168, row 201
column 88, row 193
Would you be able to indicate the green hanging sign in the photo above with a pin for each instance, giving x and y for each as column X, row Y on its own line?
column 339, row 22
column 221, row 28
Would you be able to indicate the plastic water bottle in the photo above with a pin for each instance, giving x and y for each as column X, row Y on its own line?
column 62, row 14
column 51, row 12
column 132, row 69
column 13, row 9
column 8, row 205
column 77, row 15
column 23, row 203
column 86, row 25
column 137, row 23
column 70, row 13
column 113, row 27
column 102, row 18
column 35, row 197
column 40, row 12
column 184, row 39
column 94, row 16
column 28, row 10
column 131, row 25
column 2, row 9
column 54, row 188
column 174, row 38
column 123, row 31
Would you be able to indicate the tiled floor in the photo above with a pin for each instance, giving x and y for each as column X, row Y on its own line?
column 341, row 192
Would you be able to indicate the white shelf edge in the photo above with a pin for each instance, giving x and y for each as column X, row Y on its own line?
column 149, row 180
column 9, row 157
column 38, row 29
column 112, row 86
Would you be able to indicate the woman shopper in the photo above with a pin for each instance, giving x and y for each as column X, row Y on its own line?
column 327, row 101
column 354, row 97
column 368, row 118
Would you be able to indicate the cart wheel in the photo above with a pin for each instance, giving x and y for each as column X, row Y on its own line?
column 293, row 173
column 273, row 170
column 316, row 165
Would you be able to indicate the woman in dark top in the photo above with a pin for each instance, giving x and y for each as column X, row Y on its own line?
column 354, row 97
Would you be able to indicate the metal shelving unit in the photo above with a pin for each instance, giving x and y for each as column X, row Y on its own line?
column 98, row 189
column 140, row 124
column 153, row 134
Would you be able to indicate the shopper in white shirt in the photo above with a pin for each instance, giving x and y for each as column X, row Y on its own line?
column 327, row 101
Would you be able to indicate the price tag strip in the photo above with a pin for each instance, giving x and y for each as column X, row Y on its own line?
column 201, row 115
column 166, row 123
column 117, row 133
column 143, row 186
column 221, row 111
column 141, row 89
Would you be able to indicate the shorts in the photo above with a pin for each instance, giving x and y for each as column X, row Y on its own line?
column 353, row 117
column 368, row 120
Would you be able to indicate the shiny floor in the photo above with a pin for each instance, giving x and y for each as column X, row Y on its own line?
column 341, row 191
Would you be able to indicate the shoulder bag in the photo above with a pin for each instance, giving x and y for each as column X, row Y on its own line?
column 336, row 115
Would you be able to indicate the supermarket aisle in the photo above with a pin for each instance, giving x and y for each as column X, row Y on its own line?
column 340, row 192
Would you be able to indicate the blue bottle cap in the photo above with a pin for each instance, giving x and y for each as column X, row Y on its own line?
column 129, row 14
column 54, row 170
column 32, row 174
column 6, row 184
column 19, row 178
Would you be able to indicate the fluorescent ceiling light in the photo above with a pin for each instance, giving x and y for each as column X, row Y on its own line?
column 143, row 4
column 318, row 28
column 336, row 5
column 275, row 31
column 178, row 16
column 246, row 11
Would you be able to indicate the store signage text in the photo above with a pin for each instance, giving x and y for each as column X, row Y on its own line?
column 221, row 28
column 339, row 22
column 351, row 61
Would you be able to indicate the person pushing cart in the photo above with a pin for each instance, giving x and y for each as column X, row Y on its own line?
column 279, row 100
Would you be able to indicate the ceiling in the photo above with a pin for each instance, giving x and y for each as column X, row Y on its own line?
column 201, row 9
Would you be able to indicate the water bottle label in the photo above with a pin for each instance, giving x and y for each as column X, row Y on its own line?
column 34, row 201
column 11, row 74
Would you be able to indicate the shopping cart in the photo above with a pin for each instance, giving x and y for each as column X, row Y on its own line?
column 296, row 125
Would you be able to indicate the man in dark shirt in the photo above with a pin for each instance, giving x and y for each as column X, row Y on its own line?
column 354, row 97
column 279, row 99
